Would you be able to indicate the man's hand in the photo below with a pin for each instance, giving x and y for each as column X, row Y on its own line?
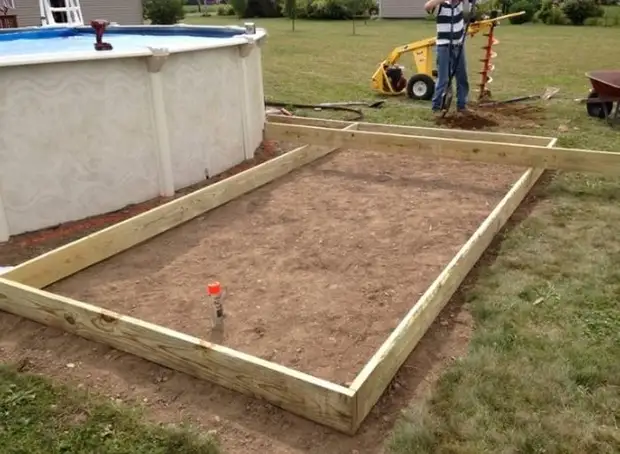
column 431, row 4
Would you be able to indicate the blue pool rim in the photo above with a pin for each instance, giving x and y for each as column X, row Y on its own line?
column 143, row 30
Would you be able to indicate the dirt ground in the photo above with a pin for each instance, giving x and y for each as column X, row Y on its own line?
column 507, row 116
column 318, row 267
column 378, row 230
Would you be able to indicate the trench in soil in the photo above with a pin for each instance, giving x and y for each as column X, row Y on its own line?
column 318, row 267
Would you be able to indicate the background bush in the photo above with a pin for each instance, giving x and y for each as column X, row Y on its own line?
column 528, row 6
column 551, row 14
column 239, row 7
column 557, row 12
column 327, row 9
column 163, row 12
column 578, row 11
column 225, row 10
column 482, row 9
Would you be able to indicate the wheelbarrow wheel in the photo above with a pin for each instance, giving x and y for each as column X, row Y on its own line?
column 420, row 87
column 598, row 109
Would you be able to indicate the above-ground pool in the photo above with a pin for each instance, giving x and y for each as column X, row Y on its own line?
column 87, row 132
column 55, row 41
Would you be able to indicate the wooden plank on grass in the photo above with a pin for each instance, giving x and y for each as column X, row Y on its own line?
column 377, row 374
column 456, row 134
column 55, row 265
column 537, row 156
column 414, row 130
column 318, row 400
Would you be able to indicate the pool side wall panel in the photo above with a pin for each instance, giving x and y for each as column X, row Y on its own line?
column 80, row 138
column 78, row 141
column 256, row 95
column 203, row 93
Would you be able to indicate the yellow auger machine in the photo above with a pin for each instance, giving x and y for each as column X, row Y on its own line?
column 389, row 79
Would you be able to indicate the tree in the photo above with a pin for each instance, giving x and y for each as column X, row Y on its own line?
column 290, row 11
column 356, row 8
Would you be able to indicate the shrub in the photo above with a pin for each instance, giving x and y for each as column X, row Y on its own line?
column 551, row 14
column 328, row 9
column 504, row 5
column 163, row 12
column 482, row 9
column 578, row 11
column 239, row 7
column 611, row 17
column 545, row 10
column 300, row 9
column 360, row 7
column 594, row 21
column 225, row 10
column 522, row 5
column 557, row 17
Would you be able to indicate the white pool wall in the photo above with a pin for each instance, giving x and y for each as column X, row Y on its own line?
column 90, row 134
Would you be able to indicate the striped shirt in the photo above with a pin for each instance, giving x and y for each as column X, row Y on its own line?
column 450, row 23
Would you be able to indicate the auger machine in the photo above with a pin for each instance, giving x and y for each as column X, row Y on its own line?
column 390, row 78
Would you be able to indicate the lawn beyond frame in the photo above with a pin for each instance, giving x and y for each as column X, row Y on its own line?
column 339, row 407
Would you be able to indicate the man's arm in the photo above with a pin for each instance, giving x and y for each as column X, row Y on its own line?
column 431, row 4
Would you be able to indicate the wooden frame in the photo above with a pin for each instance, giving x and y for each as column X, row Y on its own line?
column 339, row 407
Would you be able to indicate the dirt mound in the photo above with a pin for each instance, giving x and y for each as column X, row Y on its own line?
column 502, row 115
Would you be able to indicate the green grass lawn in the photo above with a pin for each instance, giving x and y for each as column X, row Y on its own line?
column 542, row 374
column 37, row 417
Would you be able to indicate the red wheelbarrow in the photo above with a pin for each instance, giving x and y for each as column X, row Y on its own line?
column 605, row 92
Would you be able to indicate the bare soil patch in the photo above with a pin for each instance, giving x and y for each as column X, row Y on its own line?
column 389, row 194
column 319, row 267
column 517, row 115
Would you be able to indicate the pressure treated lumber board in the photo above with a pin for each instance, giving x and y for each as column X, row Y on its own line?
column 69, row 259
column 537, row 156
column 318, row 400
column 374, row 378
column 330, row 404
column 414, row 130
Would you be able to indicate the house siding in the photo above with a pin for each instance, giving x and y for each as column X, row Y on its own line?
column 407, row 9
column 28, row 13
column 403, row 9
column 125, row 12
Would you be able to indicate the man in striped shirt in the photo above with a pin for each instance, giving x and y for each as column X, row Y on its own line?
column 450, row 31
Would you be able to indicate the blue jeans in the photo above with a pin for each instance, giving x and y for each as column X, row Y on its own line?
column 462, row 83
